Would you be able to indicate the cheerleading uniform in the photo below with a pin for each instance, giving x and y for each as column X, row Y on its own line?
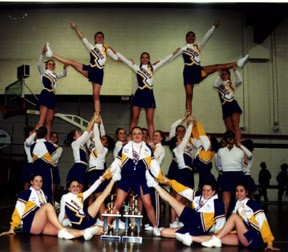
column 28, row 203
column 28, row 168
column 255, row 220
column 226, row 91
column 78, row 170
column 205, row 215
column 97, row 160
column 72, row 207
column 56, row 157
column 42, row 152
column 144, row 96
column 49, row 81
column 193, row 72
column 98, row 58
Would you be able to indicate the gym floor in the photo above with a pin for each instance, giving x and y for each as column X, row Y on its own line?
column 277, row 216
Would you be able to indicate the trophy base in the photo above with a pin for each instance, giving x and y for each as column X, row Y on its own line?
column 111, row 237
column 133, row 239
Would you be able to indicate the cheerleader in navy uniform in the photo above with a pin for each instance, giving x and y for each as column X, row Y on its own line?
column 193, row 72
column 42, row 153
column 97, row 163
column 231, row 110
column 77, row 139
column 95, row 70
column 47, row 99
column 181, row 167
column 206, row 214
column 56, row 157
column 144, row 96
column 39, row 217
column 28, row 168
column 250, row 222
column 134, row 159
column 72, row 209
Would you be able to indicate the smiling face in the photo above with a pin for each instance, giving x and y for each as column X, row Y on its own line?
column 37, row 182
column 74, row 187
column 190, row 37
column 225, row 75
column 207, row 192
column 241, row 192
column 121, row 135
column 99, row 38
column 144, row 58
column 157, row 138
column 50, row 65
column 137, row 135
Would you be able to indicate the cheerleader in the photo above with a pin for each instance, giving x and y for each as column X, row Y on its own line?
column 77, row 140
column 39, row 217
column 121, row 139
column 28, row 169
column 181, row 167
column 42, row 153
column 95, row 70
column 206, row 214
column 250, row 222
column 231, row 110
column 144, row 96
column 56, row 157
column 47, row 99
column 193, row 72
column 97, row 164
column 134, row 159
column 72, row 209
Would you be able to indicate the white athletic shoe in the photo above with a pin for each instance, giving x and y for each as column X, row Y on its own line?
column 89, row 232
column 64, row 234
column 121, row 224
column 148, row 227
column 186, row 238
column 49, row 52
column 175, row 224
column 213, row 242
column 157, row 231
column 99, row 223
column 241, row 62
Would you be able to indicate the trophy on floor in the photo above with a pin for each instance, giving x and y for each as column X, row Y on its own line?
column 111, row 233
column 133, row 220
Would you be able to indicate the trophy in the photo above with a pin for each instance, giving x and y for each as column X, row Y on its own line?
column 132, row 222
column 109, row 232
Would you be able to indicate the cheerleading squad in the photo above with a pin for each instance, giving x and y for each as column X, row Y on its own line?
column 197, row 211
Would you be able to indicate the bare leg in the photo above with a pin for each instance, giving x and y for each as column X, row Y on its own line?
column 226, row 197
column 234, row 221
column 228, row 123
column 149, row 208
column 49, row 122
column 96, row 97
column 172, row 211
column 135, row 116
column 189, row 96
column 169, row 232
column 213, row 68
column 236, row 126
column 43, row 111
column 94, row 208
column 121, row 196
column 150, row 121
column 75, row 64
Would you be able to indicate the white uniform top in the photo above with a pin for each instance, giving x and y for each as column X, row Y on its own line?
column 193, row 50
column 117, row 148
column 231, row 160
column 99, row 52
column 79, row 144
column 159, row 153
column 145, row 71
column 27, row 146
column 98, row 153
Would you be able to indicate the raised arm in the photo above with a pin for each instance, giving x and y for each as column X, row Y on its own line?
column 77, row 30
column 40, row 66
column 238, row 76
column 128, row 62
column 161, row 62
column 208, row 35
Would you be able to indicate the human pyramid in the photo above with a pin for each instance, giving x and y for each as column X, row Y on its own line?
column 138, row 158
